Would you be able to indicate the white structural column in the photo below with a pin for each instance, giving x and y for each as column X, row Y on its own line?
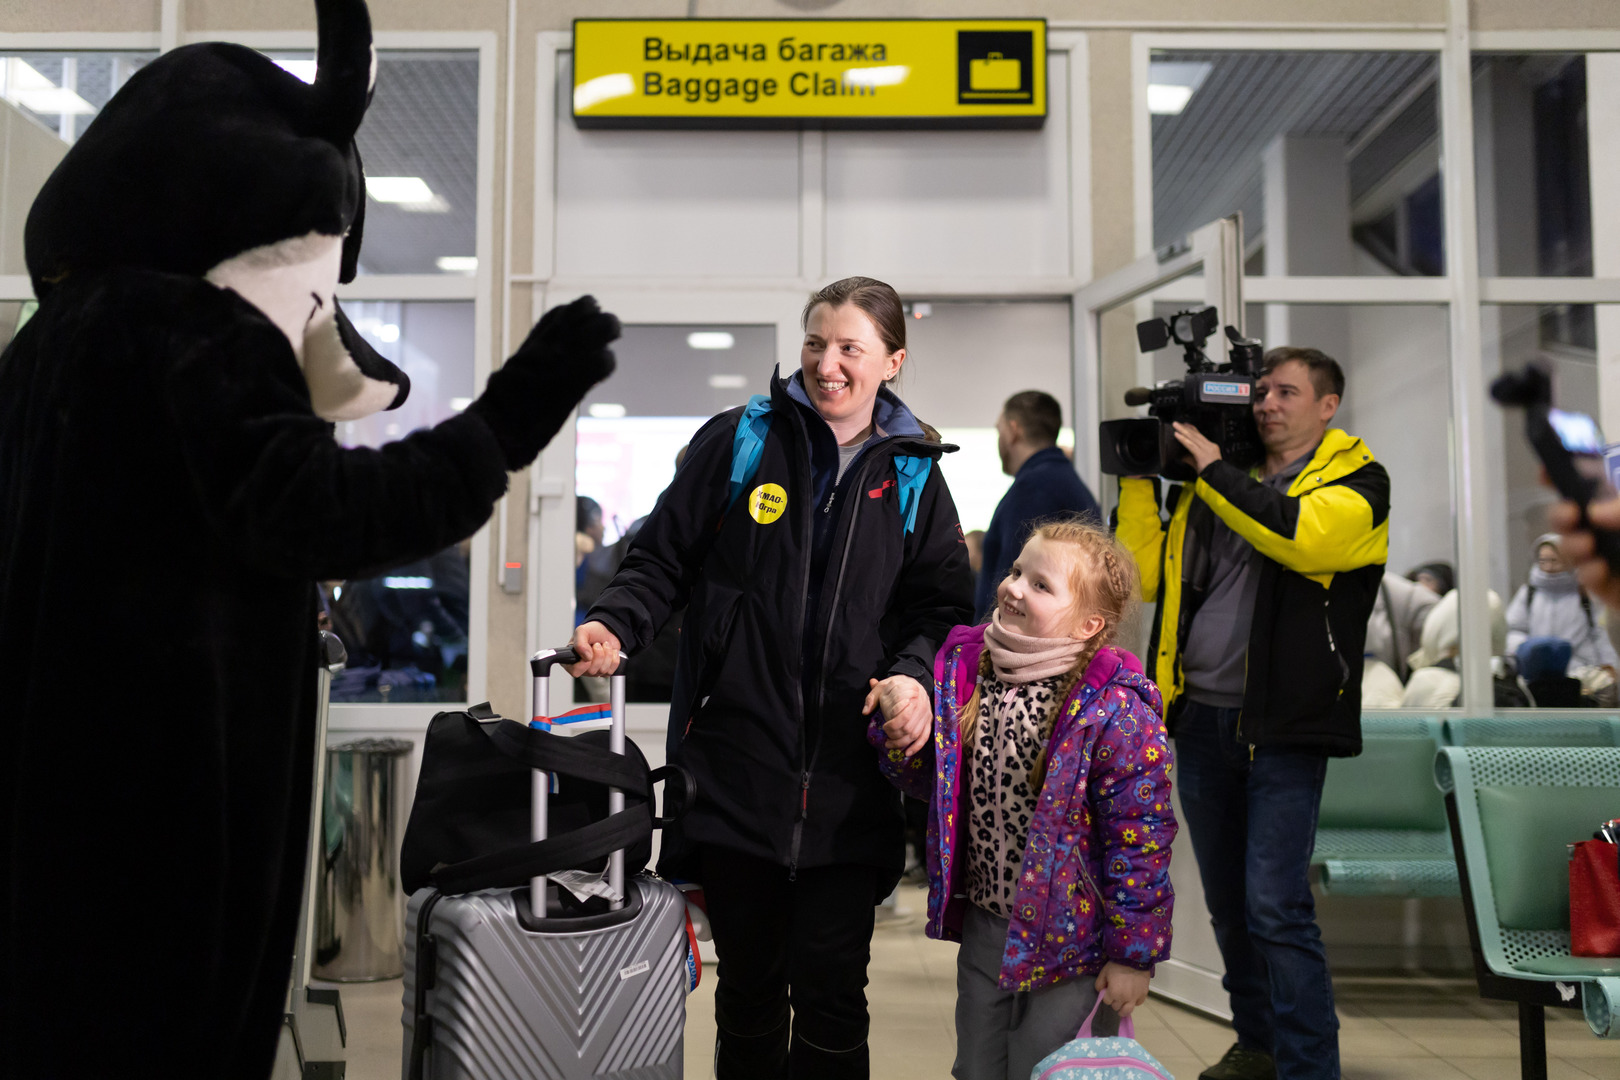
column 1505, row 195
column 1603, row 134
column 813, row 206
column 1307, row 221
column 1471, row 474
column 171, row 24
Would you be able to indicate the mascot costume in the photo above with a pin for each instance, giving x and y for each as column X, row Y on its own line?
column 170, row 490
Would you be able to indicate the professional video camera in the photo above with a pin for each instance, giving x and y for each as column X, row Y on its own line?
column 1217, row 399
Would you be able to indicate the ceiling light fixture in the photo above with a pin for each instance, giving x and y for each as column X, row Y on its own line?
column 727, row 382
column 457, row 264
column 408, row 582
column 606, row 411
column 406, row 192
column 1172, row 83
column 709, row 339
column 26, row 87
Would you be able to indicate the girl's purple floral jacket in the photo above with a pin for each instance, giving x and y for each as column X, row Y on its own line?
column 1102, row 822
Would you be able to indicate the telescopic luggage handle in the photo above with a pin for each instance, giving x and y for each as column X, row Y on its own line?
column 540, row 665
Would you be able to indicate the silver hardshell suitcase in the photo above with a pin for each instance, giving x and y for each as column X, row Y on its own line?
column 507, row 996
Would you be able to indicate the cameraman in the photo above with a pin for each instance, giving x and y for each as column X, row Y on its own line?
column 1264, row 583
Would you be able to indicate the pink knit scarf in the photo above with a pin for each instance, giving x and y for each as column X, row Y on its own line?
column 1018, row 658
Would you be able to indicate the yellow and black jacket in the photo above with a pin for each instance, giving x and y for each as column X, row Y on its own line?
column 1324, row 543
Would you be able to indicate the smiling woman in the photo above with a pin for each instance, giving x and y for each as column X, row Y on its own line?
column 854, row 342
column 821, row 554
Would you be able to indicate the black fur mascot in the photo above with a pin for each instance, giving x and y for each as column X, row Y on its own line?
column 170, row 490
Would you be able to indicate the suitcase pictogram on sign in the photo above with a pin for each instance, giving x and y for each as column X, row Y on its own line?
column 995, row 72
column 995, row 67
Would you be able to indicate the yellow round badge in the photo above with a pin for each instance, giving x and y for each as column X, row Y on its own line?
column 767, row 503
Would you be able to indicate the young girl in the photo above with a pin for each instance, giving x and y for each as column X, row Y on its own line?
column 1049, row 827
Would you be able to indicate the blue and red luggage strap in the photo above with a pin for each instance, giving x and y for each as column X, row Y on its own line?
column 573, row 716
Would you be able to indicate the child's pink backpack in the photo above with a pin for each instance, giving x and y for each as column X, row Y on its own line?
column 1086, row 1058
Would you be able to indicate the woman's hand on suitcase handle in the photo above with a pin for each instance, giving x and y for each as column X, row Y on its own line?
column 1122, row 987
column 598, row 648
column 908, row 717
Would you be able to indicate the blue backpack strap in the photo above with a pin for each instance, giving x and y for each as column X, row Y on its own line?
column 748, row 444
column 912, row 473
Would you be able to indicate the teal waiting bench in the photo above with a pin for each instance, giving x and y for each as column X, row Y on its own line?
column 1382, row 827
column 1511, row 810
column 1556, row 729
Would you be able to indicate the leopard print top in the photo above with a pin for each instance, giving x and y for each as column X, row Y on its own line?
column 1012, row 732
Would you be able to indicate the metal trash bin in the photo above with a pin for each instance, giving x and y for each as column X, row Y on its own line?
column 360, row 916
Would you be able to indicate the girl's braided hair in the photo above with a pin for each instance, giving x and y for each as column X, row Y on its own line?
column 1103, row 579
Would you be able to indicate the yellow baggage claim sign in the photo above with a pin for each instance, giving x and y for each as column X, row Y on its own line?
column 772, row 73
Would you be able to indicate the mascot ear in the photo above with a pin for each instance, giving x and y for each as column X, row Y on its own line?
column 345, row 70
column 345, row 76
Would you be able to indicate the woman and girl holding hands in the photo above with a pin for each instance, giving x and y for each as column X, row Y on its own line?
column 826, row 660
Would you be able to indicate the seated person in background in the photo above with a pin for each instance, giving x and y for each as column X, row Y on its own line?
column 1553, row 605
column 1045, row 486
column 1381, row 688
column 1436, row 682
column 1437, row 576
column 1396, row 625
column 1542, row 666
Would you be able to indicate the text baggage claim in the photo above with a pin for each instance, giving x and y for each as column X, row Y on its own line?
column 750, row 90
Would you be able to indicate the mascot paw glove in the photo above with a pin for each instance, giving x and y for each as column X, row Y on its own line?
column 528, row 399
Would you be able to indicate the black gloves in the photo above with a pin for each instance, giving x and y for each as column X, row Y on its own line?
column 528, row 399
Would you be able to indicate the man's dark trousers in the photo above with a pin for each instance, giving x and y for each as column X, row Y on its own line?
column 1253, row 826
column 803, row 943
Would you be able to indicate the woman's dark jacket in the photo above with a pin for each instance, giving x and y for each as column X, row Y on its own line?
column 786, row 623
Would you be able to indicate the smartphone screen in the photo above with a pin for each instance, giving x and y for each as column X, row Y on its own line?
column 1577, row 431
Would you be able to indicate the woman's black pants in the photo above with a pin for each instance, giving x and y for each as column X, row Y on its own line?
column 790, row 1000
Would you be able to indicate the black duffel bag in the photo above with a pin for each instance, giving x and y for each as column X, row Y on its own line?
column 469, row 827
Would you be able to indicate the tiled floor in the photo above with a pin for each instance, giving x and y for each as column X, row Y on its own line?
column 1392, row 1027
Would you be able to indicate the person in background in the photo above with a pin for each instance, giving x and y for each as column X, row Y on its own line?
column 1552, row 604
column 1439, row 577
column 1436, row 681
column 1580, row 548
column 1381, row 688
column 588, row 534
column 1393, row 632
column 832, row 573
column 1050, row 917
column 1044, row 486
column 975, row 546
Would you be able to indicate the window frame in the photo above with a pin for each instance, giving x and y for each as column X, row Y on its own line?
column 1462, row 290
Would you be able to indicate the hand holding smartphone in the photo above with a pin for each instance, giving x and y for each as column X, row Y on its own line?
column 1570, row 446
